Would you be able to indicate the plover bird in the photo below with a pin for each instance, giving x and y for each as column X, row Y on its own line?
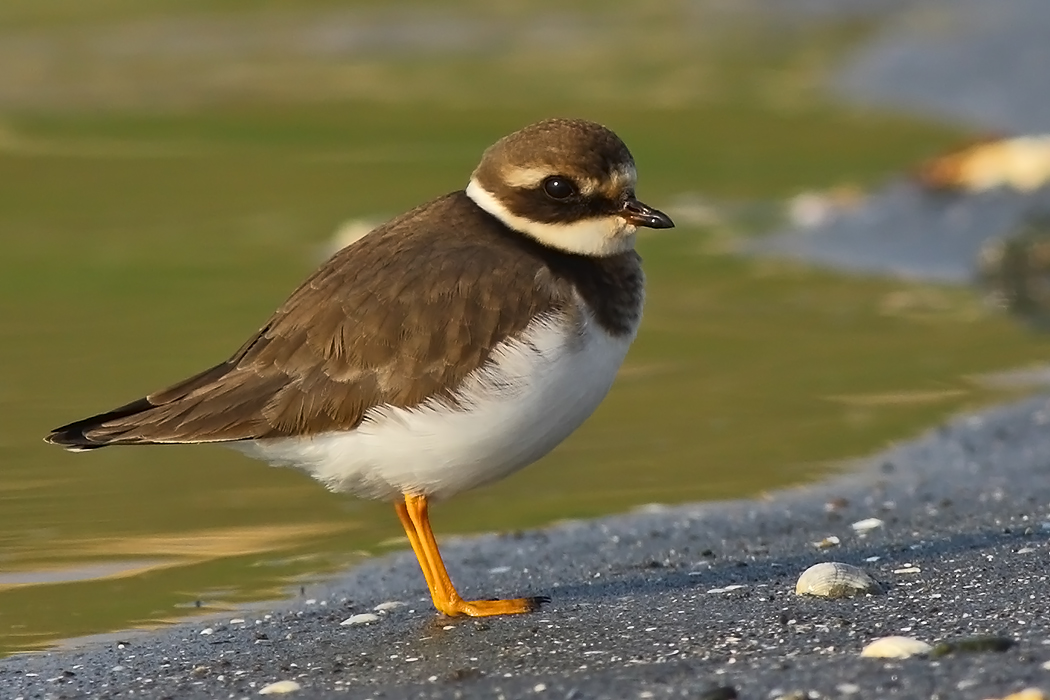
column 446, row 349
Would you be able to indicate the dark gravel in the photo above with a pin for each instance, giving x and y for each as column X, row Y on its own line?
column 634, row 607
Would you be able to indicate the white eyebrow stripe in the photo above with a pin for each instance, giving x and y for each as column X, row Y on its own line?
column 525, row 177
column 530, row 178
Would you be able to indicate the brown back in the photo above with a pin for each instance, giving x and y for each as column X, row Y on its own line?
column 400, row 316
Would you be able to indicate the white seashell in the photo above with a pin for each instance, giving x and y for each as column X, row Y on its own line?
column 867, row 524
column 389, row 605
column 896, row 648
column 360, row 619
column 828, row 542
column 280, row 687
column 835, row 580
column 1021, row 163
column 727, row 589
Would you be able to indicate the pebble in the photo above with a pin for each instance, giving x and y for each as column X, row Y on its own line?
column 972, row 645
column 722, row 692
column 895, row 648
column 867, row 524
column 388, row 606
column 360, row 619
column 835, row 580
column 207, row 631
column 836, row 504
column 799, row 695
column 280, row 687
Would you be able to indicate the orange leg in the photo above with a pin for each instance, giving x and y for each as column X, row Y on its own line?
column 415, row 519
column 413, row 539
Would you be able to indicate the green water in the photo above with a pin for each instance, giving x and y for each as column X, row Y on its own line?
column 139, row 246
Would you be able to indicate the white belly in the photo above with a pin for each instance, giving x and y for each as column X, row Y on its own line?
column 531, row 396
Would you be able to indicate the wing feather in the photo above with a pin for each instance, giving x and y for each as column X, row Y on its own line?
column 404, row 314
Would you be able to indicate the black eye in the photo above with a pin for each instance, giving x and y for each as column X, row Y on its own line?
column 557, row 187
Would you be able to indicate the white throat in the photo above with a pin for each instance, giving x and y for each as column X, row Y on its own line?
column 607, row 235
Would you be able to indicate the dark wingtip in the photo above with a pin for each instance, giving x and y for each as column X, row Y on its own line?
column 73, row 436
column 72, row 439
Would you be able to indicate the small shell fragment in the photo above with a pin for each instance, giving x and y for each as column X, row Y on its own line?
column 360, row 619
column 388, row 606
column 279, row 688
column 867, row 524
column 828, row 542
column 727, row 589
column 896, row 648
column 835, row 580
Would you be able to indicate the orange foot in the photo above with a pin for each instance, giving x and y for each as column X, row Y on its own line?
column 485, row 608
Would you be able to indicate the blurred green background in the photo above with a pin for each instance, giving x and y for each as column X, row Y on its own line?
column 170, row 171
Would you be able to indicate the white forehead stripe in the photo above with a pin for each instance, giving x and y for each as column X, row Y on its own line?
column 606, row 235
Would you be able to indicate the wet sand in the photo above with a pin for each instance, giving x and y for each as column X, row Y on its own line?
column 662, row 602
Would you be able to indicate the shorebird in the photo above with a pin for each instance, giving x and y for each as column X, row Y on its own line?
column 446, row 349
